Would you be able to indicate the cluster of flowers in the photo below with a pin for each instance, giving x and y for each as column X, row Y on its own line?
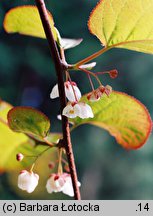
column 28, row 181
column 76, row 108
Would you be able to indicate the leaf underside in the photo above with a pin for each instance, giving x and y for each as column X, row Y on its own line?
column 26, row 20
column 123, row 116
column 124, row 24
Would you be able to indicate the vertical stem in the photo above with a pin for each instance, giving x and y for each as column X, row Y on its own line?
column 59, row 72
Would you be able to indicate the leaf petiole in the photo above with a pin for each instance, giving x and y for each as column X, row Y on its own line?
column 91, row 57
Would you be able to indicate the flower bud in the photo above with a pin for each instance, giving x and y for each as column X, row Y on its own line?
column 51, row 165
column 113, row 74
column 19, row 157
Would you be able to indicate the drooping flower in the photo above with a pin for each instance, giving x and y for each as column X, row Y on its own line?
column 98, row 93
column 55, row 183
column 79, row 109
column 27, row 181
column 19, row 157
column 60, row 183
column 71, row 90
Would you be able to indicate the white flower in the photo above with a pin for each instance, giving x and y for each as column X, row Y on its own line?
column 71, row 90
column 79, row 109
column 27, row 181
column 60, row 183
column 70, row 111
column 55, row 183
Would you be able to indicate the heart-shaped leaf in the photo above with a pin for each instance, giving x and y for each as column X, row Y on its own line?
column 124, row 24
column 123, row 116
column 29, row 121
column 26, row 20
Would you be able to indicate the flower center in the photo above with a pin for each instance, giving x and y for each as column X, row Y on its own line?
column 71, row 112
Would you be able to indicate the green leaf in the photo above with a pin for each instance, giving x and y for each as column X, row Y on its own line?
column 12, row 143
column 26, row 20
column 123, row 116
column 9, row 140
column 28, row 148
column 41, row 168
column 29, row 121
column 124, row 24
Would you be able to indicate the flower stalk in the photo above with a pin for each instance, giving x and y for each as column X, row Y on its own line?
column 60, row 69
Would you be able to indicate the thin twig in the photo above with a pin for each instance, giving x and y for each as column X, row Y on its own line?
column 59, row 72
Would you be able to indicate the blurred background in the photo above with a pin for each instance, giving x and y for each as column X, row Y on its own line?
column 27, row 75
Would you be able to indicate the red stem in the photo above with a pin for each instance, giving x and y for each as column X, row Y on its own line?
column 91, row 83
column 60, row 69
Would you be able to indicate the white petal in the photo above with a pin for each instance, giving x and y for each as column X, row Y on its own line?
column 59, row 183
column 70, row 43
column 54, row 93
column 86, row 111
column 59, row 117
column 89, row 111
column 68, row 188
column 71, row 92
column 77, row 109
column 88, row 66
column 77, row 92
column 93, row 97
column 69, row 111
column 28, row 181
column 49, row 186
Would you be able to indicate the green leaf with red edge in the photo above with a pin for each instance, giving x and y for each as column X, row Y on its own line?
column 122, row 116
column 26, row 20
column 124, row 24
column 29, row 121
